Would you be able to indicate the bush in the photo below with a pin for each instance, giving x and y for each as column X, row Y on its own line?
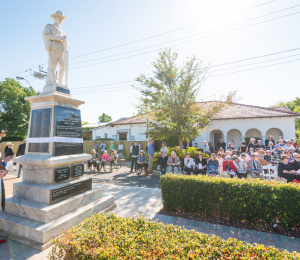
column 110, row 237
column 192, row 150
column 252, row 201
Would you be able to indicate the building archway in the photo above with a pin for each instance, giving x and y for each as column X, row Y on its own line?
column 275, row 132
column 236, row 136
column 215, row 137
column 253, row 132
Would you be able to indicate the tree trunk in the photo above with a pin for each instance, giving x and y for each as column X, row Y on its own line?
column 180, row 144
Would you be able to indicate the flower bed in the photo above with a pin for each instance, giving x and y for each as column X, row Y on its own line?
column 110, row 237
column 252, row 201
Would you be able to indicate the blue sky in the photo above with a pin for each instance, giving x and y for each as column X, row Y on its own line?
column 92, row 26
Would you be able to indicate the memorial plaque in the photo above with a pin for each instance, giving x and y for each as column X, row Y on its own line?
column 61, row 174
column 68, row 125
column 39, row 127
column 70, row 190
column 77, row 170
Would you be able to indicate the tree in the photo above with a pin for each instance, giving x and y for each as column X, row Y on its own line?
column 169, row 98
column 104, row 118
column 294, row 106
column 14, row 109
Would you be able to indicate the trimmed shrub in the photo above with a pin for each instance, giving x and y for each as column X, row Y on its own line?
column 110, row 237
column 252, row 201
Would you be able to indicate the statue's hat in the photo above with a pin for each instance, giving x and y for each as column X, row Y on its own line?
column 58, row 14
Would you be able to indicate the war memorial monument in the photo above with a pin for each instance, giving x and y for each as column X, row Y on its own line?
column 53, row 195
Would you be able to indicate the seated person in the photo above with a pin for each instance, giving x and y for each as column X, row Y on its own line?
column 232, row 149
column 260, row 145
column 213, row 165
column 94, row 161
column 112, row 159
column 188, row 163
column 271, row 147
column 278, row 152
column 268, row 156
column 260, row 157
column 221, row 151
column 104, row 160
column 206, row 148
column 286, row 170
column 173, row 163
column 296, row 162
column 220, row 160
column 240, row 167
column 228, row 153
column 201, row 165
column 163, row 163
column 288, row 145
column 294, row 144
column 228, row 168
column 251, row 151
column 254, row 167
column 260, row 152
column 243, row 148
column 141, row 162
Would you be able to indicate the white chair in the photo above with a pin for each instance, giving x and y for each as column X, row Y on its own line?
column 271, row 172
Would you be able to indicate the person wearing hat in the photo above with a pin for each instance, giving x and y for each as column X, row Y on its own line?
column 54, row 38
column 251, row 143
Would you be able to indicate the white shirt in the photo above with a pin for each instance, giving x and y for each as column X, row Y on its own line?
column 121, row 147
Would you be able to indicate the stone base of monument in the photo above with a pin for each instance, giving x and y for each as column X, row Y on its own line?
column 35, row 224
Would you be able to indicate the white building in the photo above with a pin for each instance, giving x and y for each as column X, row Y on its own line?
column 234, row 122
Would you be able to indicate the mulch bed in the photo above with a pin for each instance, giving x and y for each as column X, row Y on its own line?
column 226, row 222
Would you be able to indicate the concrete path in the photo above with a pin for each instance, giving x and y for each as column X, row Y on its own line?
column 147, row 201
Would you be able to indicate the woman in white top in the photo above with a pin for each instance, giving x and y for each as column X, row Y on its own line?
column 288, row 145
column 164, row 148
column 121, row 150
column 188, row 163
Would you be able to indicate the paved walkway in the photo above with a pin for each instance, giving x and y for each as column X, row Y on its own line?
column 147, row 201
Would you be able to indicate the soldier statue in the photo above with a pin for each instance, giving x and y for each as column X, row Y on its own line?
column 57, row 45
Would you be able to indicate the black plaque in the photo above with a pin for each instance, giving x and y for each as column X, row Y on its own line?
column 39, row 127
column 70, row 190
column 77, row 170
column 67, row 124
column 61, row 174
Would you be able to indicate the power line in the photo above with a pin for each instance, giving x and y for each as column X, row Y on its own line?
column 187, row 41
column 190, row 36
column 114, row 90
column 168, row 32
column 253, row 68
column 255, row 63
column 115, row 83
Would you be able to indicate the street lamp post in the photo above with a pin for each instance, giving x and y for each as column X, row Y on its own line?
column 21, row 78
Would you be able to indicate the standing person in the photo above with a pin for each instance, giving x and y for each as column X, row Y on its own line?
column 221, row 144
column 151, row 155
column 95, row 146
column 140, row 145
column 141, row 162
column 6, row 149
column 20, row 152
column 260, row 145
column 163, row 163
column 164, row 147
column 104, row 160
column 188, row 144
column 112, row 146
column 206, row 148
column 112, row 159
column 134, row 155
column 102, row 147
column 130, row 150
column 121, row 150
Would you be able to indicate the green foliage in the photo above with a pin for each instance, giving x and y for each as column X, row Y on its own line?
column 247, row 139
column 294, row 106
column 180, row 154
column 252, row 201
column 110, row 237
column 14, row 109
column 169, row 98
column 104, row 118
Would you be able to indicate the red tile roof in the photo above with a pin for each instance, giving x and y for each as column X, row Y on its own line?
column 233, row 111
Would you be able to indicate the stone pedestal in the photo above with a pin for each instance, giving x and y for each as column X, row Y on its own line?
column 54, row 195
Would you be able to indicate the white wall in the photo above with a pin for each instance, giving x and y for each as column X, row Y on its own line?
column 285, row 124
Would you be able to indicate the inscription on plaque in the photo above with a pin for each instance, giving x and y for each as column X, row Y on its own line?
column 68, row 125
column 77, row 170
column 39, row 127
column 70, row 190
column 61, row 174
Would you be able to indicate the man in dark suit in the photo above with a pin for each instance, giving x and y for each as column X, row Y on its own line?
column 20, row 152
column 260, row 145
column 269, row 140
column 251, row 144
column 221, row 144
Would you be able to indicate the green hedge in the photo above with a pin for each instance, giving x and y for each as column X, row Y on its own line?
column 252, row 201
column 111, row 237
